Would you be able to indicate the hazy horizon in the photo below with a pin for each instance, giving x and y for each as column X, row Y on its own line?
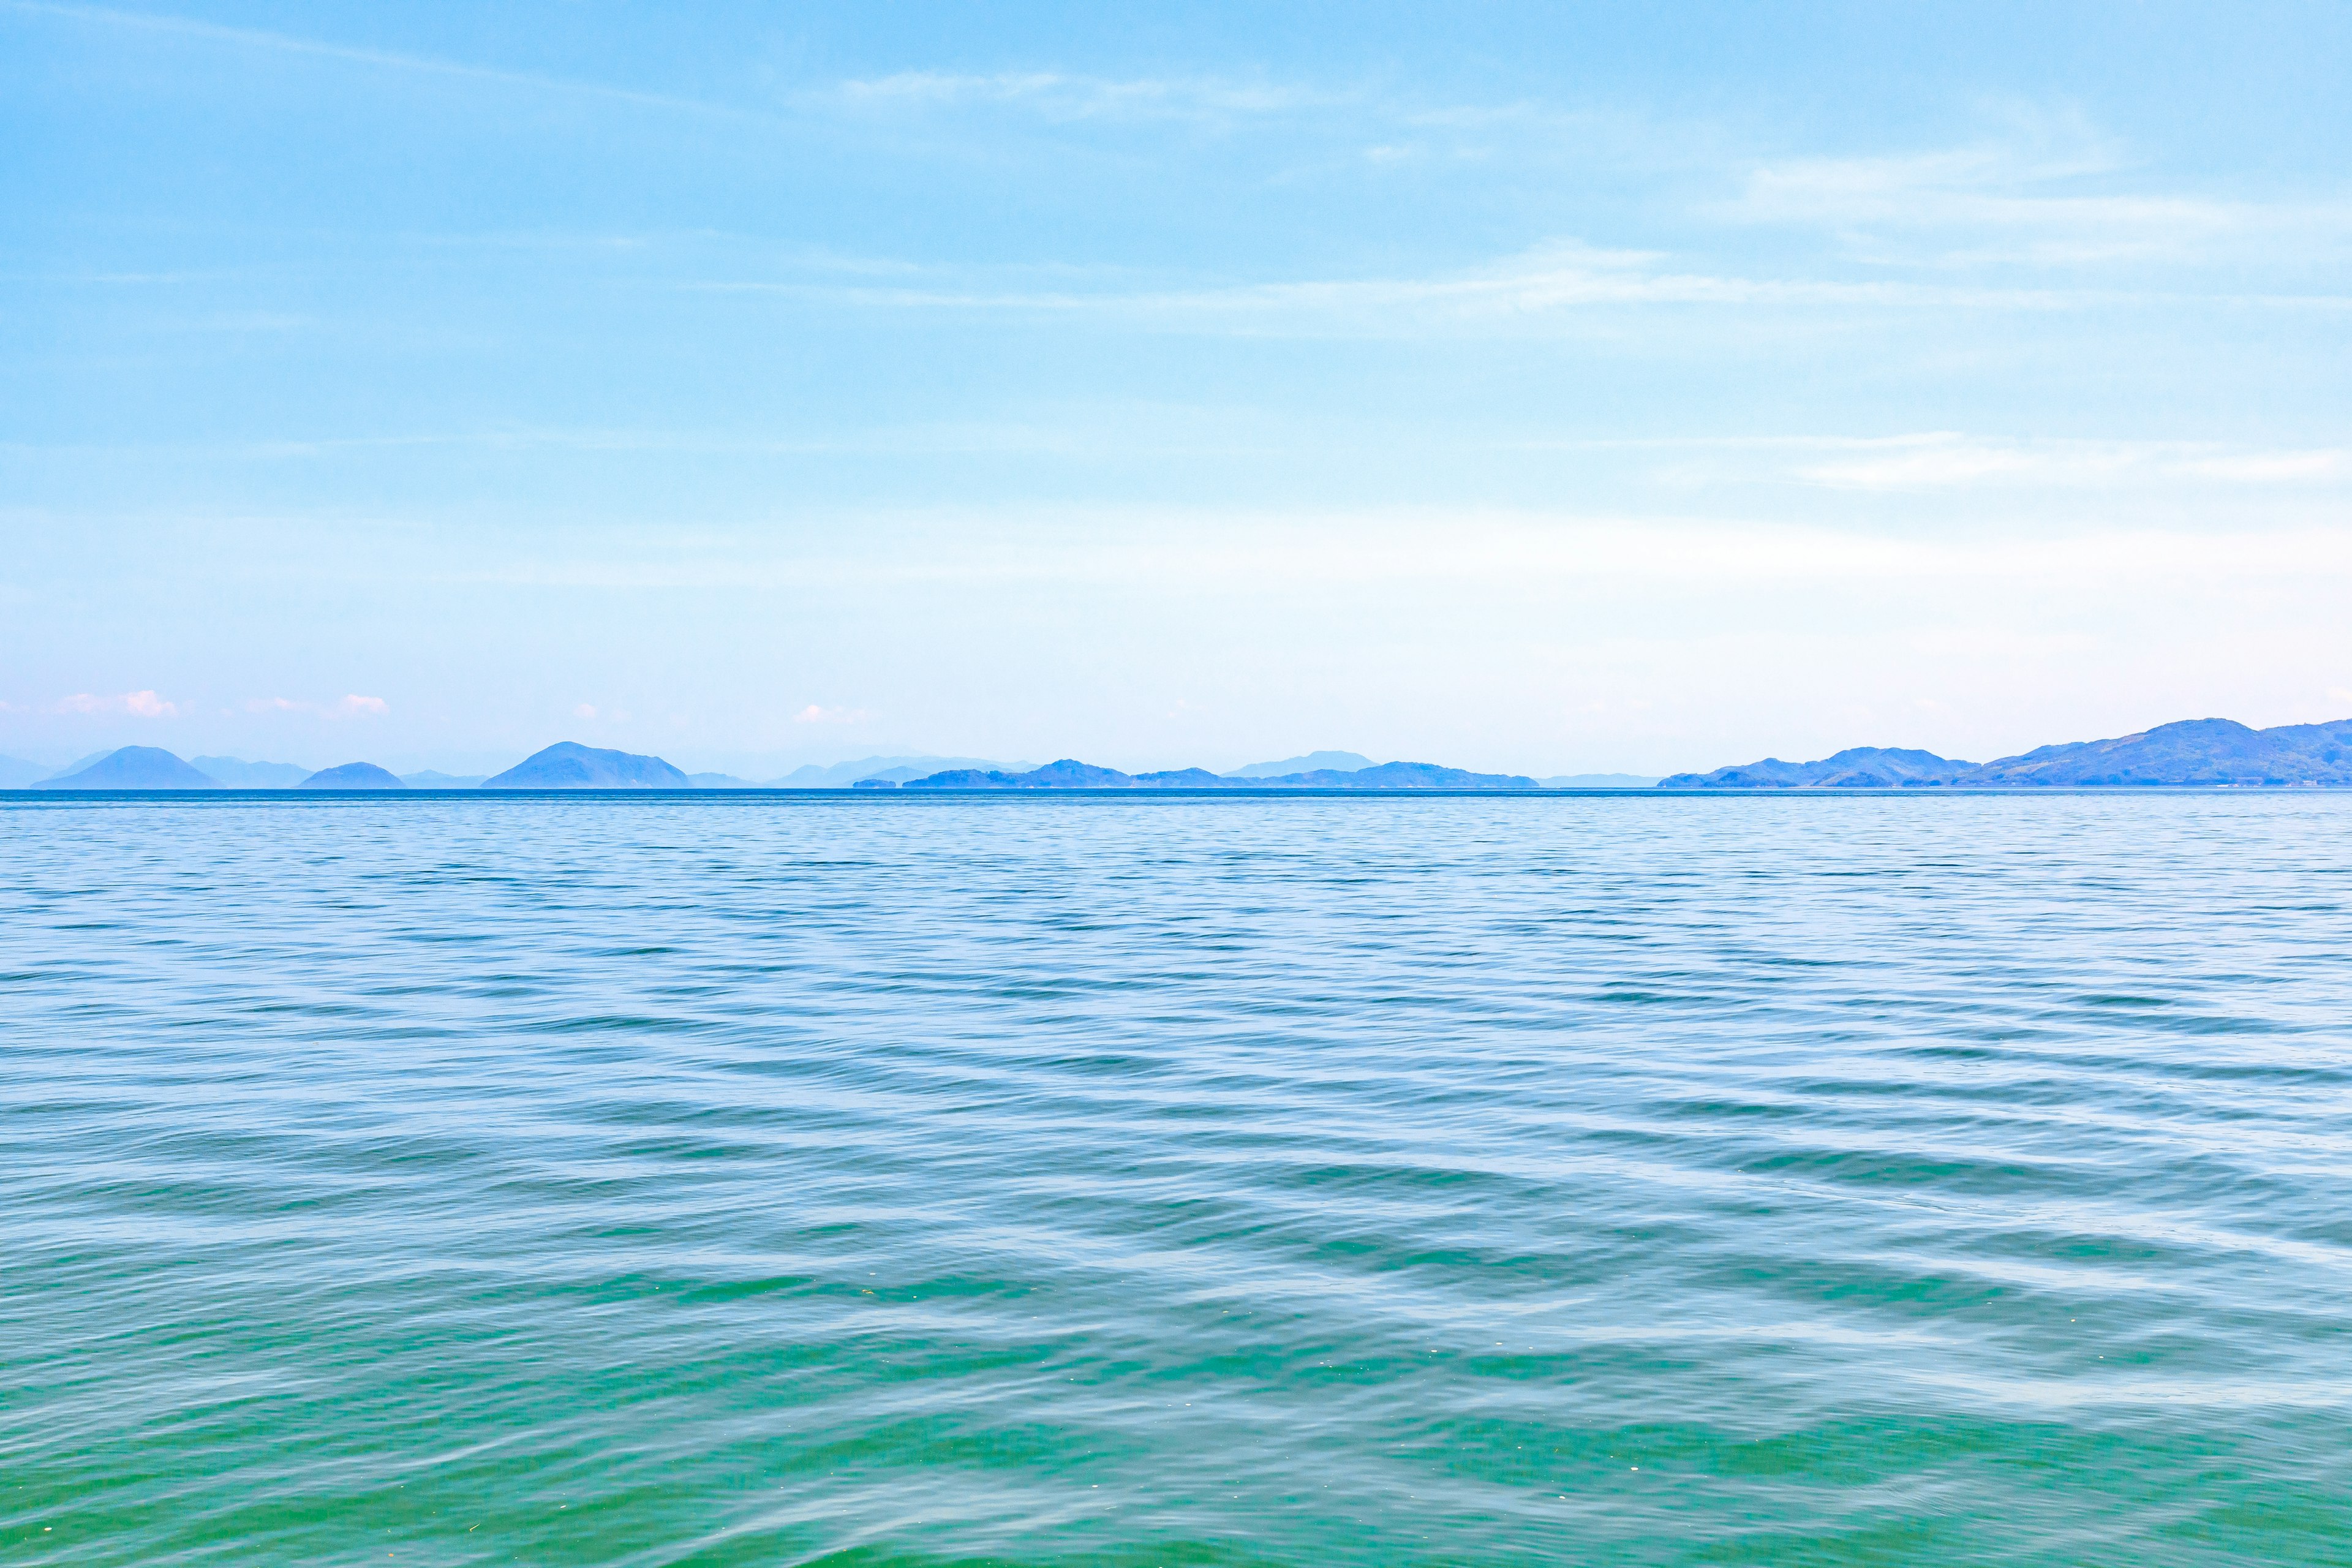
column 756, row 769
column 1531, row 390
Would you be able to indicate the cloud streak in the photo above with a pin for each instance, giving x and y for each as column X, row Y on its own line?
column 262, row 39
column 1507, row 552
column 349, row 707
column 138, row 704
column 1944, row 461
column 1993, row 203
column 1552, row 281
column 1057, row 96
column 1549, row 284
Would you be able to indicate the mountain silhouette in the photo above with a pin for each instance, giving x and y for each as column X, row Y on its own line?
column 134, row 767
column 1071, row 773
column 2188, row 752
column 354, row 775
column 568, row 765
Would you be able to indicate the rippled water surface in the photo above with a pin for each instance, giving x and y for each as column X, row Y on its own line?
column 1092, row 1179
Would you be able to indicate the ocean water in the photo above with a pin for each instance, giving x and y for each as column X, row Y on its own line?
column 1099, row 1180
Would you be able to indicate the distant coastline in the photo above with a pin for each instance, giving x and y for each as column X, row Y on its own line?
column 2191, row 754
column 2216, row 753
column 569, row 765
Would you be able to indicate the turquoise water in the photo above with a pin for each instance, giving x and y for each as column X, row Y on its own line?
column 1101, row 1180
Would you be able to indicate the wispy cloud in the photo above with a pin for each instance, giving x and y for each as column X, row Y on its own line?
column 1547, row 282
column 1946, row 460
column 349, row 707
column 1507, row 552
column 943, row 438
column 139, row 704
column 1949, row 459
column 814, row 714
column 265, row 41
column 1922, row 460
column 2270, row 468
column 1996, row 203
column 1055, row 95
column 1318, row 123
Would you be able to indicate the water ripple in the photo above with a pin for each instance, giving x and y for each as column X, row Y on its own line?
column 1610, row 1179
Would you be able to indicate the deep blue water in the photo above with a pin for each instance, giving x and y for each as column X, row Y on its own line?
column 1115, row 1179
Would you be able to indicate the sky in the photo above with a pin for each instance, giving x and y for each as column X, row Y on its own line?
column 1540, row 388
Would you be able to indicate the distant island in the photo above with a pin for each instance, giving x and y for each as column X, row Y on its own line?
column 354, row 775
column 2193, row 752
column 568, row 765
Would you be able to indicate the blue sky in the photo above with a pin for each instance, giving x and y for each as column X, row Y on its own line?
column 1526, row 388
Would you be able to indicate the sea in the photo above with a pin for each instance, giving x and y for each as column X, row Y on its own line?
column 1070, row 1179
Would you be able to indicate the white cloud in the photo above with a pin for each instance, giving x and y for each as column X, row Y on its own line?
column 1998, row 203
column 1383, row 123
column 140, row 704
column 256, row 38
column 351, row 707
column 586, row 710
column 813, row 714
column 1318, row 554
column 1055, row 95
column 1943, row 460
column 2269, row 467
column 1543, row 284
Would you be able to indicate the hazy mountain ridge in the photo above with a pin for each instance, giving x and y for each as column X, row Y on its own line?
column 1313, row 761
column 842, row 775
column 1856, row 767
column 1071, row 773
column 238, row 774
column 2188, row 752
